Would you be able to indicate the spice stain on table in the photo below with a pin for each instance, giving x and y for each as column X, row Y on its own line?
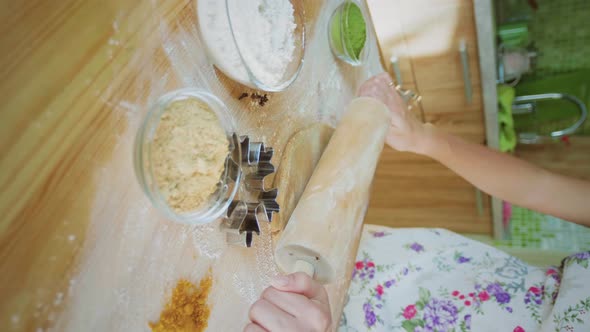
column 187, row 309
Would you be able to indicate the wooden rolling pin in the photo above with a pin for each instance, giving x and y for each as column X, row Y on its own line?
column 323, row 232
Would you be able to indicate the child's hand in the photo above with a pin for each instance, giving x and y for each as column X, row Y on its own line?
column 294, row 303
column 406, row 133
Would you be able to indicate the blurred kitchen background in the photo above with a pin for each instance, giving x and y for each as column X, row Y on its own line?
column 546, row 47
column 510, row 74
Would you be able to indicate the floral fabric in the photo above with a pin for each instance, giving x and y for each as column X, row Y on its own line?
column 435, row 280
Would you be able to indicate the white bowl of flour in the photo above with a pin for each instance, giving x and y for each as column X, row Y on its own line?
column 258, row 43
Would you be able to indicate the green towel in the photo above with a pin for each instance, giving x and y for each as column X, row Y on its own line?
column 507, row 133
column 514, row 35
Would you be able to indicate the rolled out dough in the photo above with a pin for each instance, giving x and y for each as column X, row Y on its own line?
column 300, row 157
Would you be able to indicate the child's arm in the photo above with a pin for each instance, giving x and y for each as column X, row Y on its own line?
column 498, row 174
column 511, row 179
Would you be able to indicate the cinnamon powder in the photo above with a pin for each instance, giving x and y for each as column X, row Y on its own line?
column 187, row 309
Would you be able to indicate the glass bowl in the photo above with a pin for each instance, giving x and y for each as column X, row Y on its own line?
column 341, row 45
column 232, row 41
column 230, row 178
column 243, row 29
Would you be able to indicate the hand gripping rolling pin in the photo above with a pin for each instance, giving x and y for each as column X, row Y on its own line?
column 323, row 232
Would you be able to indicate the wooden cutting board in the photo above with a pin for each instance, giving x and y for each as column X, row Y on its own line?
column 81, row 248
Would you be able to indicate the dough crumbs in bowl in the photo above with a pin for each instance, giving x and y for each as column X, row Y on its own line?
column 188, row 154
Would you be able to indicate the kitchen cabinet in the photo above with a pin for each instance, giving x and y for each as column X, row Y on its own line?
column 569, row 159
column 425, row 39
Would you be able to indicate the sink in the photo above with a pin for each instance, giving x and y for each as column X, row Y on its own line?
column 553, row 114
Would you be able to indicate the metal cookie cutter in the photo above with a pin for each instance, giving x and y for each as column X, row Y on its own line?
column 255, row 154
column 243, row 218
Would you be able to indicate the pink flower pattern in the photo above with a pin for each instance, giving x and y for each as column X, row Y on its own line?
column 409, row 312
column 460, row 309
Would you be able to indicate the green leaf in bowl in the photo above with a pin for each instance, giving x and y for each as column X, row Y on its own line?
column 355, row 30
column 348, row 30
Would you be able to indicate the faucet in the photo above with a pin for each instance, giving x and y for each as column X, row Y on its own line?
column 527, row 105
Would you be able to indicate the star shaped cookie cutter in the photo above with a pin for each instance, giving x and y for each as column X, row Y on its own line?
column 243, row 218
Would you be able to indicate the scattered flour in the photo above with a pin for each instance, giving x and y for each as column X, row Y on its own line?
column 264, row 32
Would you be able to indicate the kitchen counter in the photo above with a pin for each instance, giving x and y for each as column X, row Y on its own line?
column 81, row 247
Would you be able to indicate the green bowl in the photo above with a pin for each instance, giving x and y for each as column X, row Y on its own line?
column 347, row 33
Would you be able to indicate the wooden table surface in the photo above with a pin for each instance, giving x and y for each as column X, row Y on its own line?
column 81, row 248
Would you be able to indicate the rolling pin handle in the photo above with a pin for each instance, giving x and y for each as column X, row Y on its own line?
column 305, row 267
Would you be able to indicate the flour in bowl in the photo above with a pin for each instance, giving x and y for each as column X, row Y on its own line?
column 264, row 31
